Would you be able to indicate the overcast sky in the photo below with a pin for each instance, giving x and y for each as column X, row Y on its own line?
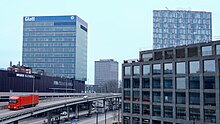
column 117, row 29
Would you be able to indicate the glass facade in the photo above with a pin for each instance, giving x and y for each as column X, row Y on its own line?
column 136, row 70
column 146, row 69
column 56, row 44
column 156, row 69
column 168, row 83
column 194, row 67
column 168, row 68
column 179, row 27
column 181, row 98
column 194, row 83
column 206, row 50
column 180, row 83
column 180, row 68
column 209, row 66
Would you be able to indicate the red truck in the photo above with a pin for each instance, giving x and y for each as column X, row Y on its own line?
column 19, row 102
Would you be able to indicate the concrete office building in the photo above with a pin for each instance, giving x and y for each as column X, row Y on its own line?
column 176, row 85
column 56, row 44
column 105, row 70
column 180, row 27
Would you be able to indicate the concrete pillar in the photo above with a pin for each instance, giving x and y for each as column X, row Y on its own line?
column 77, row 111
column 68, row 112
column 89, row 107
column 49, row 116
column 15, row 122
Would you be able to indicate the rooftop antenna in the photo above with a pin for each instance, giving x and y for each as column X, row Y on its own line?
column 167, row 8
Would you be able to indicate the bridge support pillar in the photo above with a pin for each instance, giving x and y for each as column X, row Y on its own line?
column 15, row 122
column 89, row 107
column 49, row 116
column 68, row 113
column 77, row 111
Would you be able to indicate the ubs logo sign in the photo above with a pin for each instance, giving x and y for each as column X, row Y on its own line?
column 72, row 17
column 27, row 18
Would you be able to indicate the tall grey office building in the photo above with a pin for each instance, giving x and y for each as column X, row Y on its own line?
column 106, row 70
column 56, row 44
column 180, row 27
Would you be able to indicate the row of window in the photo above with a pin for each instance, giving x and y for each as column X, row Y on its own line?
column 69, row 49
column 194, row 113
column 49, row 28
column 180, row 83
column 49, row 39
column 194, row 67
column 48, row 60
column 194, row 97
column 49, row 55
column 52, row 65
column 180, row 53
column 49, row 34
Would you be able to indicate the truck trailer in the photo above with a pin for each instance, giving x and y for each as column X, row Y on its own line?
column 20, row 102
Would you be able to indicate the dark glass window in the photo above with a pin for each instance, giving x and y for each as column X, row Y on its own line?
column 167, row 122
column 193, row 52
column 194, row 114
column 84, row 28
column 136, row 120
column 168, row 83
column 209, row 82
column 146, row 109
column 217, row 49
column 194, row 98
column 127, row 107
column 156, row 110
column 210, row 116
column 180, row 53
column 156, row 69
column 126, row 119
column 136, row 70
column 180, row 68
column 127, row 83
column 194, row 83
column 136, row 83
column 146, row 69
column 145, row 121
column 206, row 50
column 180, row 83
column 194, row 67
column 180, row 98
column 136, row 96
column 147, row 57
column 146, row 96
column 127, row 70
column 209, row 66
column 169, row 54
column 127, row 95
column 146, row 83
column 168, row 97
column 180, row 113
column 136, row 108
column 156, row 82
column 168, row 112
column 158, row 55
column 168, row 68
column 156, row 97
column 209, row 99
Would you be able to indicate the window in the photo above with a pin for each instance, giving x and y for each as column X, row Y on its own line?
column 127, row 70
column 158, row 56
column 193, row 52
column 146, row 69
column 206, row 50
column 127, row 95
column 169, row 54
column 168, row 68
column 145, row 83
column 194, row 114
column 145, row 121
column 136, row 70
column 156, row 97
column 136, row 108
column 127, row 107
column 156, row 122
column 217, row 49
column 145, row 96
column 194, row 83
column 180, row 98
column 136, row 96
column 136, row 83
column 147, row 57
column 146, row 109
column 210, row 116
column 194, row 67
column 156, row 110
column 180, row 113
column 194, row 98
column 168, row 97
column 156, row 82
column 127, row 83
column 209, row 99
column 180, row 53
column 209, row 66
column 126, row 119
column 168, row 112
column 168, row 83
column 156, row 69
column 209, row 82
column 136, row 120
column 180, row 83
column 180, row 68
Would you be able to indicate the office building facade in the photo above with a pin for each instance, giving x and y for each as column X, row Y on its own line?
column 176, row 85
column 180, row 27
column 105, row 70
column 56, row 44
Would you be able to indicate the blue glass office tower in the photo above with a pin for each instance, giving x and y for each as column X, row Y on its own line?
column 56, row 44
column 180, row 27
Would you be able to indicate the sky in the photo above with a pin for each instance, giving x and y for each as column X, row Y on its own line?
column 117, row 29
